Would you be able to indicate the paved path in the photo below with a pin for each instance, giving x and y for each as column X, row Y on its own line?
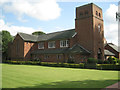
column 115, row 86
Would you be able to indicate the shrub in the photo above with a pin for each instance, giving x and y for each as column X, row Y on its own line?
column 111, row 60
column 90, row 66
column 100, row 61
column 119, row 62
column 92, row 60
column 108, row 66
column 106, row 62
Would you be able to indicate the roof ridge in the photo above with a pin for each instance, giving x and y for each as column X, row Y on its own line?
column 60, row 31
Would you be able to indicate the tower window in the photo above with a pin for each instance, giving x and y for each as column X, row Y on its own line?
column 96, row 13
column 99, row 15
column 81, row 13
column 99, row 28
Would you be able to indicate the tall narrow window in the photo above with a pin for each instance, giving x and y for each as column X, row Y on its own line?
column 41, row 45
column 64, row 43
column 96, row 13
column 99, row 28
column 51, row 44
column 99, row 15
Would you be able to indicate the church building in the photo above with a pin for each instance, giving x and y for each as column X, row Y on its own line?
column 85, row 41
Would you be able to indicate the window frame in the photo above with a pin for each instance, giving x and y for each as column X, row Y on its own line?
column 42, row 43
column 50, row 43
column 64, row 43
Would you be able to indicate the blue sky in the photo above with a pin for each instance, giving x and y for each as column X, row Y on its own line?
column 60, row 16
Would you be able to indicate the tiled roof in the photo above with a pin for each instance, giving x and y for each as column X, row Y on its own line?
column 67, row 34
column 107, row 52
column 114, row 47
column 50, row 51
column 78, row 49
column 75, row 49
column 28, row 37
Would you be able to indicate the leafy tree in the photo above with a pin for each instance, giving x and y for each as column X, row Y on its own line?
column 38, row 33
column 6, row 38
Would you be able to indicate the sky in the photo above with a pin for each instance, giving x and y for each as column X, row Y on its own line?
column 28, row 16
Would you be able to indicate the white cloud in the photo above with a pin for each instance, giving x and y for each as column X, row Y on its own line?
column 111, row 25
column 39, row 9
column 15, row 29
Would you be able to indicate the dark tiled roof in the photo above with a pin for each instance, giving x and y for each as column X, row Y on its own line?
column 107, row 52
column 114, row 47
column 28, row 37
column 75, row 49
column 50, row 36
column 78, row 49
column 50, row 51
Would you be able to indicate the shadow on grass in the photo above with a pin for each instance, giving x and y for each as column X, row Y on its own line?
column 86, row 84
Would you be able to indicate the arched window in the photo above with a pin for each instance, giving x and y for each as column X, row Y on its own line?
column 96, row 13
column 99, row 15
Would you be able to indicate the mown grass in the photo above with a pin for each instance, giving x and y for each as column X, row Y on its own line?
column 31, row 76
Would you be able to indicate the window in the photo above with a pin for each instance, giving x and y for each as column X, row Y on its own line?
column 46, row 56
column 59, row 56
column 81, row 13
column 51, row 44
column 41, row 45
column 99, row 28
column 96, row 13
column 99, row 15
column 64, row 43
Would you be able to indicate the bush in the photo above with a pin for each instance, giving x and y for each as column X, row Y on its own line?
column 119, row 62
column 108, row 67
column 106, row 62
column 100, row 61
column 92, row 60
column 90, row 66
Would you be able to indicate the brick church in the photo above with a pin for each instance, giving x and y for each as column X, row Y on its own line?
column 86, row 40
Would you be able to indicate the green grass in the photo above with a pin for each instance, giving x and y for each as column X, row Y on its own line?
column 31, row 76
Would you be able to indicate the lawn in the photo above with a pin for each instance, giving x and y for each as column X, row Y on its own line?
column 31, row 76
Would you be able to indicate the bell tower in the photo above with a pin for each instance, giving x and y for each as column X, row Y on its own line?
column 89, row 28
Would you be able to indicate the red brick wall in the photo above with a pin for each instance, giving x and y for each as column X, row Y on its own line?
column 87, row 34
column 28, row 48
column 17, row 54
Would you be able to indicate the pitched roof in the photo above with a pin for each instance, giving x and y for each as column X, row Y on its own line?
column 77, row 48
column 50, row 51
column 28, row 37
column 114, row 47
column 67, row 34
column 107, row 52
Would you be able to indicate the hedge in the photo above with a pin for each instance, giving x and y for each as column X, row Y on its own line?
column 90, row 66
column 108, row 67
column 69, row 65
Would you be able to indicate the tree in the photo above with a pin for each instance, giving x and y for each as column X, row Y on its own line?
column 38, row 33
column 6, row 38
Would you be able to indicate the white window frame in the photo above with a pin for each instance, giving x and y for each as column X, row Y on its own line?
column 42, row 45
column 64, row 43
column 51, row 42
